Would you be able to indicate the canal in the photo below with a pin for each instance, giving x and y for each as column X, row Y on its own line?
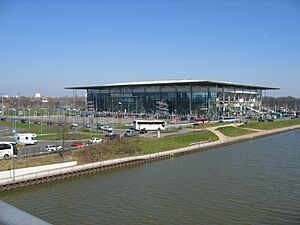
column 255, row 182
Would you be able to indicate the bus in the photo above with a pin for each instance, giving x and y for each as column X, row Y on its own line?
column 8, row 149
column 149, row 125
column 229, row 120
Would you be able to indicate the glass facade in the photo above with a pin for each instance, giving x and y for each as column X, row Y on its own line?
column 184, row 99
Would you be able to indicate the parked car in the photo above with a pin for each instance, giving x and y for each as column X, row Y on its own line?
column 74, row 125
column 199, row 121
column 53, row 148
column 77, row 144
column 95, row 140
column 109, row 133
column 144, row 131
column 107, row 128
column 88, row 125
column 99, row 126
column 24, row 121
column 130, row 133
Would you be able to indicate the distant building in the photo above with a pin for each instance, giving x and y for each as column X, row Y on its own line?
column 184, row 97
column 37, row 95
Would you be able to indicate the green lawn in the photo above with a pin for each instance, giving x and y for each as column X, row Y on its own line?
column 168, row 143
column 234, row 131
column 33, row 128
column 84, row 129
column 87, row 131
column 271, row 125
column 123, row 127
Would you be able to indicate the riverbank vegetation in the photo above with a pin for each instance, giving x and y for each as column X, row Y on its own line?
column 24, row 162
column 112, row 149
column 234, row 131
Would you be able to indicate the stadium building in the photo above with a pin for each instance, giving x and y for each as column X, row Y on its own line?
column 184, row 97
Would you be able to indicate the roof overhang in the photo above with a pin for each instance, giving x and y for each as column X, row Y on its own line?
column 175, row 82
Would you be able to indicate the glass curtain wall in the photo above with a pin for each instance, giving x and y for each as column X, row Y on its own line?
column 199, row 100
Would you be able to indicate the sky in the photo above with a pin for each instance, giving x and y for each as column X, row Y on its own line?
column 48, row 45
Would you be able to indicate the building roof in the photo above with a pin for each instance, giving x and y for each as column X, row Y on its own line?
column 178, row 82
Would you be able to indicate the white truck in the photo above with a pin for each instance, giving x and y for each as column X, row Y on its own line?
column 26, row 138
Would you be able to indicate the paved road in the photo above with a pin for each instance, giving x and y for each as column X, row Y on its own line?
column 39, row 147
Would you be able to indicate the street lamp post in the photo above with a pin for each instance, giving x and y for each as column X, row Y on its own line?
column 120, row 106
column 2, row 104
column 14, row 120
column 28, row 118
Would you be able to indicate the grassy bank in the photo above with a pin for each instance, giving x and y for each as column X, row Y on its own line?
column 35, row 161
column 234, row 131
column 114, row 149
column 271, row 125
column 172, row 142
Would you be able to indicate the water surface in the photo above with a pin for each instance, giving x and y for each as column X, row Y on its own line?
column 255, row 182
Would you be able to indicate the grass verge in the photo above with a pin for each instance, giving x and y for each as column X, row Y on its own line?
column 271, row 125
column 172, row 142
column 234, row 131
column 34, row 161
column 33, row 128
column 123, row 127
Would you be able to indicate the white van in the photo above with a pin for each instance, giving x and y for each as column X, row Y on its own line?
column 8, row 149
column 26, row 138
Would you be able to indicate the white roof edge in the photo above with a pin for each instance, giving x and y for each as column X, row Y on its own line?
column 153, row 82
column 169, row 82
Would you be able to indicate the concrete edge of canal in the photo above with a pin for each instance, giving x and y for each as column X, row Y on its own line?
column 78, row 170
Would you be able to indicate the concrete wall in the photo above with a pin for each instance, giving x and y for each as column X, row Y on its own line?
column 25, row 171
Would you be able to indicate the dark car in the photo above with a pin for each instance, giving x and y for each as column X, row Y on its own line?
column 99, row 126
column 143, row 131
column 24, row 121
column 261, row 119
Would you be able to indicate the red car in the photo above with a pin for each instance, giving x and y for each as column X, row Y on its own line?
column 77, row 144
column 199, row 121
